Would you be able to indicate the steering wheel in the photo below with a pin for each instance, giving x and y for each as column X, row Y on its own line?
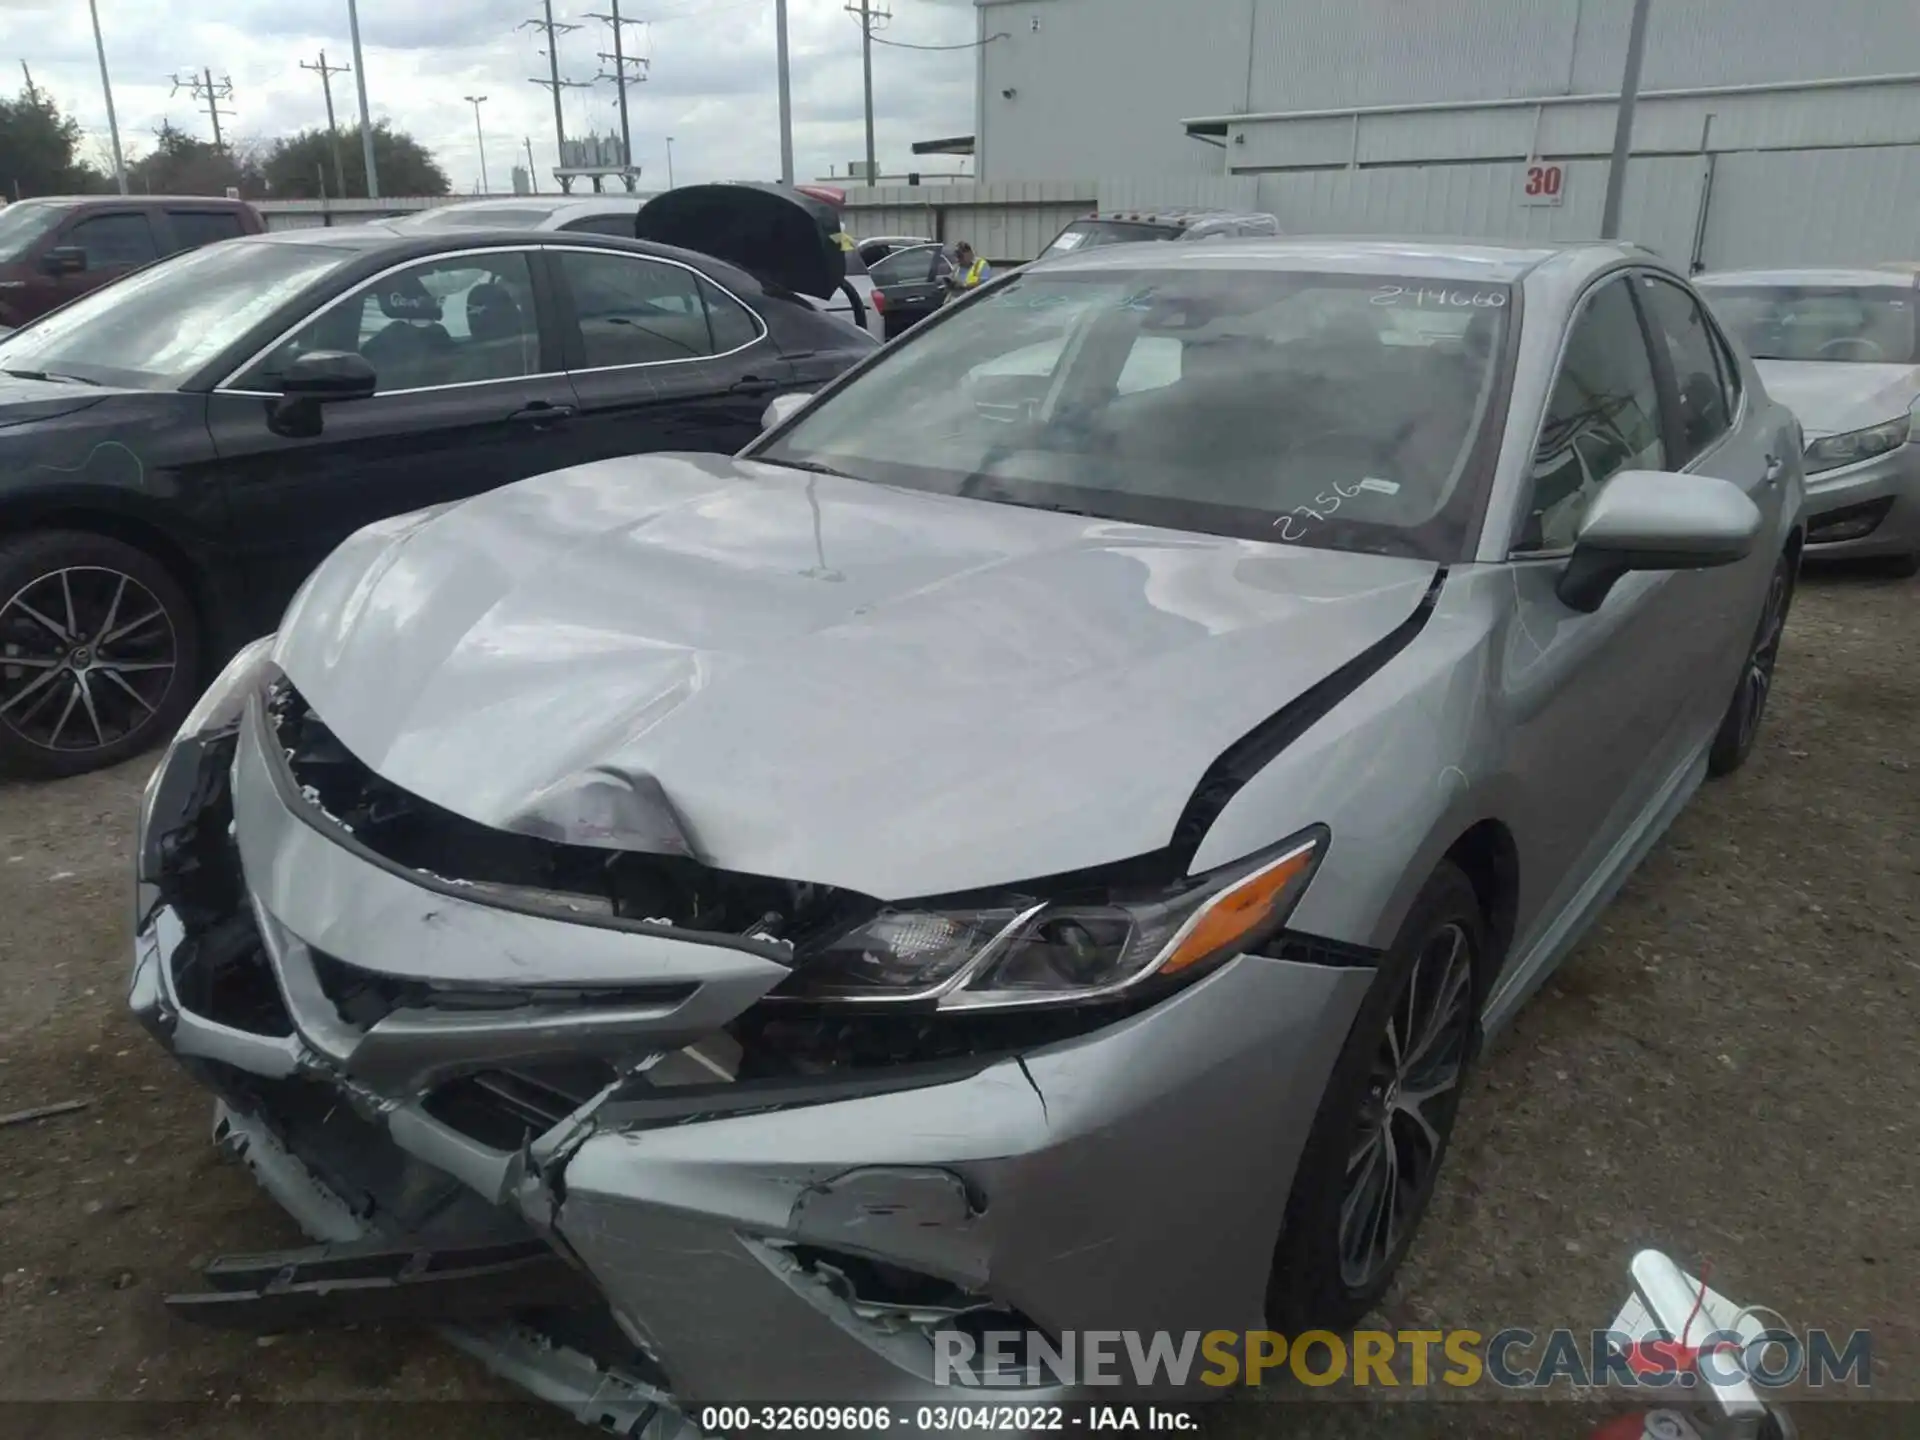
column 1856, row 342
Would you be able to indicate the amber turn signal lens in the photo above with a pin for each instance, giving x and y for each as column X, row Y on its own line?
column 1236, row 913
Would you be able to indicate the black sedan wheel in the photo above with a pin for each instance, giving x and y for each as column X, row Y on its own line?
column 1741, row 726
column 99, row 652
column 1380, row 1135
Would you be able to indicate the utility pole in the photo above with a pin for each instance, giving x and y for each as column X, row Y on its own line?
column 669, row 162
column 621, row 79
column 477, row 101
column 868, row 16
column 203, row 87
column 106, row 89
column 326, row 73
column 1623, row 122
column 786, row 92
column 366, row 117
column 533, row 176
column 554, row 83
column 33, row 95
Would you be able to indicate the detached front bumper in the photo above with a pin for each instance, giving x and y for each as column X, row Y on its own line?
column 1872, row 508
column 797, row 1237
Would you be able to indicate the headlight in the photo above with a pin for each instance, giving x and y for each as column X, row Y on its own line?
column 1856, row 445
column 216, row 711
column 1028, row 952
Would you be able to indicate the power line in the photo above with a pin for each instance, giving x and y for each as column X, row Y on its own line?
column 966, row 45
column 553, row 30
column 203, row 87
column 619, row 76
column 326, row 73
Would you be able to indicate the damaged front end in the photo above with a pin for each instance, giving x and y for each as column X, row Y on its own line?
column 641, row 1133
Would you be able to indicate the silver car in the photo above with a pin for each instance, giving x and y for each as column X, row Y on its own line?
column 1035, row 844
column 1841, row 348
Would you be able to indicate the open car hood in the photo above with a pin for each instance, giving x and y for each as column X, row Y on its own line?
column 772, row 232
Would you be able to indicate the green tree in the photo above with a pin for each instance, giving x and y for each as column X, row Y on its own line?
column 297, row 166
column 39, row 150
column 181, row 165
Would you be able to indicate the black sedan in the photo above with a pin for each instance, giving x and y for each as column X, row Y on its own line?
column 178, row 450
column 909, row 285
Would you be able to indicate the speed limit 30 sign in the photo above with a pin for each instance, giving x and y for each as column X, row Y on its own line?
column 1542, row 182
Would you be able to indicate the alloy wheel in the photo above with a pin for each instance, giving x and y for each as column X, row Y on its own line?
column 87, row 656
column 1412, row 1094
column 1757, row 679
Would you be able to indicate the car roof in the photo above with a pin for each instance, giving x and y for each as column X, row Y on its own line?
column 1889, row 275
column 404, row 244
column 1176, row 214
column 69, row 201
column 1439, row 259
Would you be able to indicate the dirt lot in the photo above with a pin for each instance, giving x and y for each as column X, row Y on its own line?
column 1727, row 1068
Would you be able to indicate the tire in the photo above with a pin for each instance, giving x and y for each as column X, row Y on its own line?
column 99, row 653
column 1315, row 1282
column 1740, row 726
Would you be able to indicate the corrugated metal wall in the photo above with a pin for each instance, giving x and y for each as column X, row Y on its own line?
column 1659, row 209
column 1837, row 207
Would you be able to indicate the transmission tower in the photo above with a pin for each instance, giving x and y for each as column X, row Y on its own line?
column 326, row 73
column 620, row 76
column 210, row 92
column 553, row 31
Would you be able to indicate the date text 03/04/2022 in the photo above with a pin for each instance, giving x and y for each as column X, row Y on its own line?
column 935, row 1419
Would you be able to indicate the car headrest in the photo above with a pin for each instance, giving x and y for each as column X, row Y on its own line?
column 492, row 312
column 404, row 298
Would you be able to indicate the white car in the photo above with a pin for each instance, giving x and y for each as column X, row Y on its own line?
column 597, row 214
column 1842, row 349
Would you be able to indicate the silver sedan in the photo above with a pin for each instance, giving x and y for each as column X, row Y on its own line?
column 1033, row 845
column 1841, row 348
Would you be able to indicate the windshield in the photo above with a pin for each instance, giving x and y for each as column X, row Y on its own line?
column 24, row 222
column 1086, row 234
column 479, row 217
column 158, row 326
column 1873, row 324
column 1347, row 412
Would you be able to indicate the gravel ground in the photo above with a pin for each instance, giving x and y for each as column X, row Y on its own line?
column 1726, row 1068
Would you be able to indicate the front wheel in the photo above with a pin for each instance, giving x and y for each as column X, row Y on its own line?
column 1380, row 1135
column 1740, row 727
column 99, row 653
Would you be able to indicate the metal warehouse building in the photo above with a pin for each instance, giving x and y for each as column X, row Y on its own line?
column 1768, row 131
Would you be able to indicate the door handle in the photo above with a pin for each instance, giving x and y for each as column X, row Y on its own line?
column 1776, row 467
column 541, row 414
column 754, row 385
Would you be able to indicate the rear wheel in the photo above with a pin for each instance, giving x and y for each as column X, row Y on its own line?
column 1381, row 1133
column 99, row 653
column 1740, row 727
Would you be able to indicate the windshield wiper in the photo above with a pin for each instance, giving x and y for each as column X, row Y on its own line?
column 812, row 467
column 50, row 376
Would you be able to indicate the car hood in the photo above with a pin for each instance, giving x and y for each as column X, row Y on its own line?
column 827, row 680
column 1832, row 397
column 22, row 401
column 773, row 233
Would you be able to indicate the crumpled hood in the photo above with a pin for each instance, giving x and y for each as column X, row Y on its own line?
column 900, row 693
column 1833, row 397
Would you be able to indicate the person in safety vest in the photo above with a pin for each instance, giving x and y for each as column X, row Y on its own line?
column 969, row 271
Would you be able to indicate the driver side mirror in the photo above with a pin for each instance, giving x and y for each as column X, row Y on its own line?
column 64, row 260
column 1656, row 520
column 782, row 408
column 316, row 378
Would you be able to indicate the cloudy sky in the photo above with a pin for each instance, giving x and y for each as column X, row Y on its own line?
column 711, row 84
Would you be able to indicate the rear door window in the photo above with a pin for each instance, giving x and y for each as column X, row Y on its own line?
column 634, row 310
column 194, row 228
column 115, row 239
